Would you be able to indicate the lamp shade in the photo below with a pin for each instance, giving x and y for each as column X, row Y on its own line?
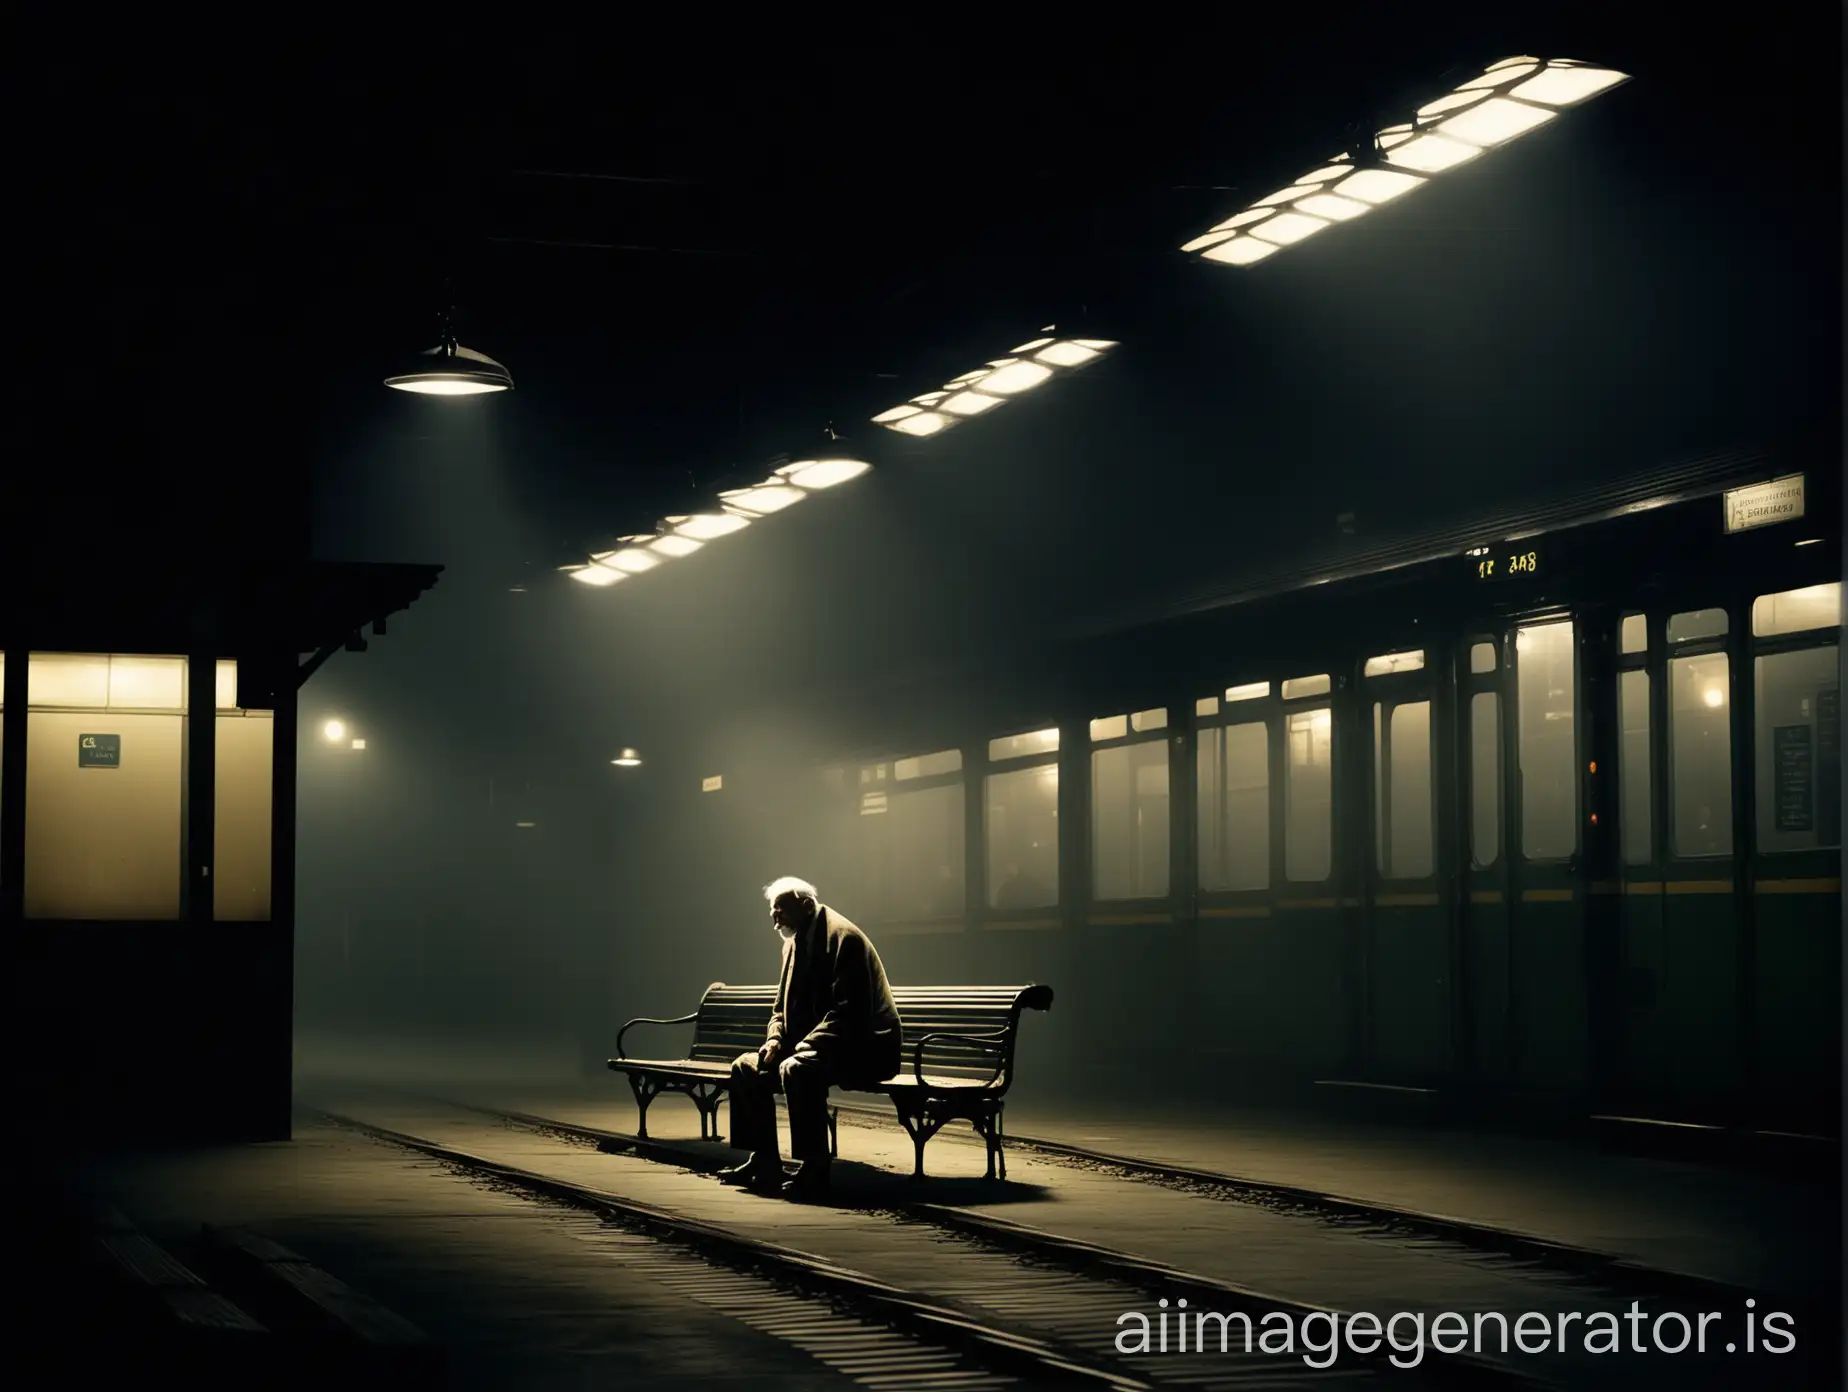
column 451, row 370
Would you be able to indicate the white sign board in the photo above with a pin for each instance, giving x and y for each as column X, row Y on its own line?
column 1762, row 504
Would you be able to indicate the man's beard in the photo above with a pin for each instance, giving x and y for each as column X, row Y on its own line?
column 786, row 934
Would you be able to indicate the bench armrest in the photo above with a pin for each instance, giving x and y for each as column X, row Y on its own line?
column 647, row 1020
column 996, row 1042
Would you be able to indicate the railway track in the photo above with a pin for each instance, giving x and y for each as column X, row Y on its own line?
column 1614, row 1276
column 995, row 1303
column 1028, row 1287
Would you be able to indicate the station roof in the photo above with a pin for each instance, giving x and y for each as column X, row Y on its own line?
column 270, row 610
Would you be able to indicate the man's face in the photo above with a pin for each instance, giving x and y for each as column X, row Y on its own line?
column 792, row 913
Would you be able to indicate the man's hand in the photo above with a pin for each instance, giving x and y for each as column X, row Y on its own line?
column 804, row 1054
column 766, row 1055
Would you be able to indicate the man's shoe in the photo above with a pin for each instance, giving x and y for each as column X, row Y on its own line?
column 810, row 1181
column 743, row 1175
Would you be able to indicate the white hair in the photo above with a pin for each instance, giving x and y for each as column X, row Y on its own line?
column 789, row 884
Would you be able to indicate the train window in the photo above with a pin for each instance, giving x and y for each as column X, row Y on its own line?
column 1799, row 741
column 1021, row 746
column 1481, row 657
column 1402, row 810
column 1021, row 821
column 928, row 765
column 1388, row 663
column 924, row 846
column 1297, row 687
column 1129, row 821
column 1484, row 779
column 1144, row 721
column 1697, row 623
column 1548, row 757
column 1308, row 787
column 1252, row 691
column 1232, row 796
column 1635, row 808
column 1795, row 611
column 1699, row 756
column 1207, row 706
column 1109, row 727
column 1634, row 635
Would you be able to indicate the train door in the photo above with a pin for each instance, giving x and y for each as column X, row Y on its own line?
column 1677, row 1041
column 1793, row 969
column 1643, row 1050
column 1525, row 969
column 1407, row 974
column 1730, row 818
column 1483, row 912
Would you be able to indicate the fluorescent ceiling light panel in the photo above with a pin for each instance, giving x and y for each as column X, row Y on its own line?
column 1505, row 101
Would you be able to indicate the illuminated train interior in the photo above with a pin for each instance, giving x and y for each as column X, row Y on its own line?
column 1546, row 820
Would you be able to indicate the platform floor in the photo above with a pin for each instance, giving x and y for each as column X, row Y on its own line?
column 1718, row 1223
column 532, row 1296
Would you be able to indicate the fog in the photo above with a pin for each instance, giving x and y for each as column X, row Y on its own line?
column 482, row 894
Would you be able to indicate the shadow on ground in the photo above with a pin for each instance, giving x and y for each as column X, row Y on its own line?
column 853, row 1184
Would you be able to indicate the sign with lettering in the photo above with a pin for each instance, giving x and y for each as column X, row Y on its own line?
column 1794, row 769
column 1509, row 561
column 1762, row 504
column 99, row 751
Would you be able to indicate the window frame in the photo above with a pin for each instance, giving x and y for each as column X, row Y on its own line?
column 1381, row 696
column 1280, row 839
column 1265, row 712
column 987, row 768
column 1471, row 684
column 1755, row 647
column 182, row 712
column 1662, row 697
column 1652, row 662
column 1131, row 737
column 1515, row 775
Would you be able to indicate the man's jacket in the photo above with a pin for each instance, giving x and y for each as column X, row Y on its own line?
column 833, row 998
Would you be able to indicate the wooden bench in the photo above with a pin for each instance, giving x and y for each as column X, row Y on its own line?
column 958, row 1058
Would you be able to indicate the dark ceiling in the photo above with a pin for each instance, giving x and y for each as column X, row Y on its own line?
column 687, row 234
column 695, row 238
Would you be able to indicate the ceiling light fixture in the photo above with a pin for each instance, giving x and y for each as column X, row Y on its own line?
column 981, row 389
column 451, row 370
column 738, row 508
column 1507, row 100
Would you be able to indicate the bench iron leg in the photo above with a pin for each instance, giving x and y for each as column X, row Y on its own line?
column 706, row 1097
column 834, row 1133
column 988, row 1127
column 920, row 1126
column 644, row 1094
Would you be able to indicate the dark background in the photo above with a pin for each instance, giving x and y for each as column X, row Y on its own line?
column 225, row 238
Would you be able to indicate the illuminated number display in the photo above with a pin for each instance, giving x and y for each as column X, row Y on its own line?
column 1504, row 563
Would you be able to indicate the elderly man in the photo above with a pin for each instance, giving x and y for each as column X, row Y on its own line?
column 834, row 1026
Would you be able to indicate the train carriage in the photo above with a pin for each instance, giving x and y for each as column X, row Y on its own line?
column 1540, row 812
